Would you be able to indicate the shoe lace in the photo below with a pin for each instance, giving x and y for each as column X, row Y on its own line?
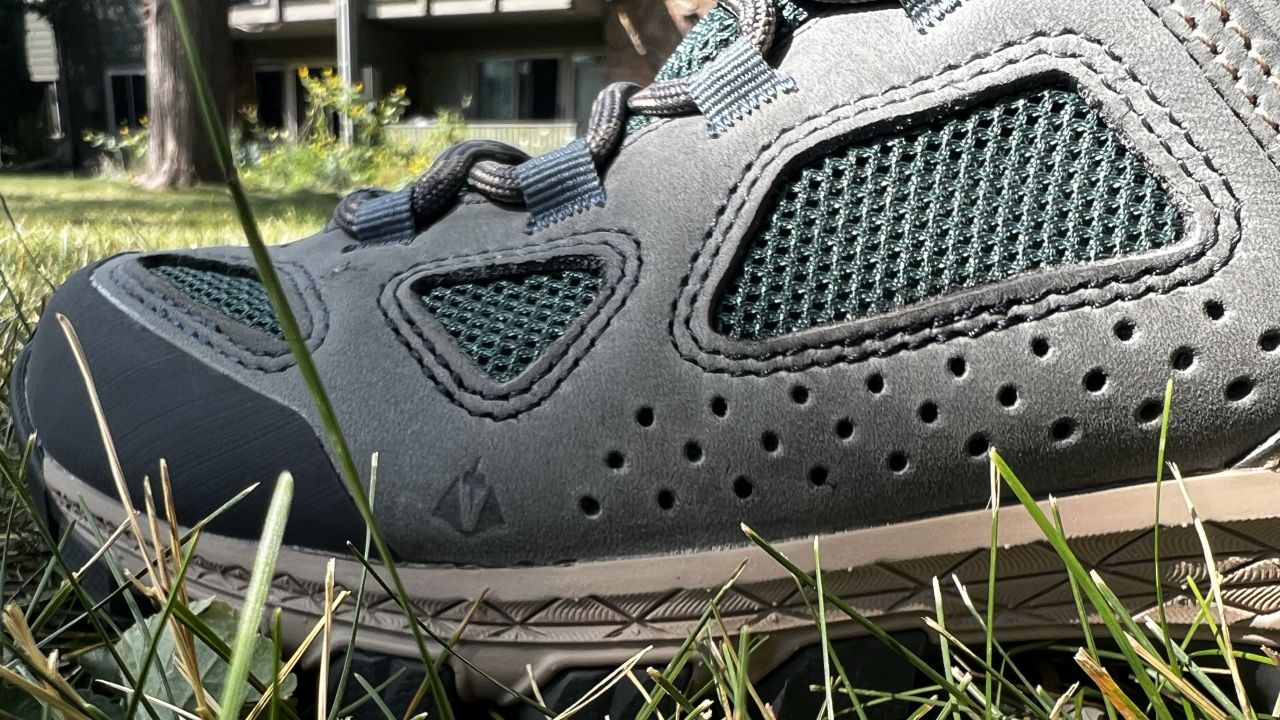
column 491, row 168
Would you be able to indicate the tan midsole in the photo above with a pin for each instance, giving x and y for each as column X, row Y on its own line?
column 599, row 613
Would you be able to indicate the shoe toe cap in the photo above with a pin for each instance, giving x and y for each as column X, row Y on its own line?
column 217, row 435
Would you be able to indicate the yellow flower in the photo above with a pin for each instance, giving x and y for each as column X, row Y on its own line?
column 144, row 120
column 86, row 136
column 124, row 130
column 358, row 87
column 304, row 73
column 399, row 90
column 328, row 72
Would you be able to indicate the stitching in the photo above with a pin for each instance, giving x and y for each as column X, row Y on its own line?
column 1250, row 94
column 936, row 323
column 611, row 302
column 207, row 332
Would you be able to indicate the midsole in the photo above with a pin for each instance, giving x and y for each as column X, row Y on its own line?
column 599, row 613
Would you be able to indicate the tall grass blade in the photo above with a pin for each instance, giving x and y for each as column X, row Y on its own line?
column 270, row 279
column 255, row 600
column 1106, row 611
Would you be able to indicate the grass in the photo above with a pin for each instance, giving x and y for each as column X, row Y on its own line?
column 57, row 224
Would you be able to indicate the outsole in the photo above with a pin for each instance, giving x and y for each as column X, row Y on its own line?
column 559, row 621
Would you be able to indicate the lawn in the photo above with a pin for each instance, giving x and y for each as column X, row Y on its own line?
column 61, row 223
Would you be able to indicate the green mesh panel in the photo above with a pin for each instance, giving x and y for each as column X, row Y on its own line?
column 506, row 323
column 1022, row 182
column 714, row 32
column 237, row 296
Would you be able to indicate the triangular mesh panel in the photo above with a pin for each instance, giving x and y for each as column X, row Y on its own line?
column 232, row 292
column 506, row 323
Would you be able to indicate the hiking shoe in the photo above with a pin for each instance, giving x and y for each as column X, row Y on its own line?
column 806, row 282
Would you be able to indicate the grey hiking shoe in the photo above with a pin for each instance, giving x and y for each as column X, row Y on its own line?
column 805, row 283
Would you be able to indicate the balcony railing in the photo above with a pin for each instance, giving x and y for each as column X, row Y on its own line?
column 534, row 138
column 269, row 12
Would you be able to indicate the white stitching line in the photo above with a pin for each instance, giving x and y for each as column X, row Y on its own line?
column 1229, row 22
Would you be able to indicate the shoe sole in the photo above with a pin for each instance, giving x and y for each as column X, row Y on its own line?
column 599, row 614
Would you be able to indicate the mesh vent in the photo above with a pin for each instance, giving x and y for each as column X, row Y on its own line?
column 237, row 295
column 506, row 323
column 1023, row 182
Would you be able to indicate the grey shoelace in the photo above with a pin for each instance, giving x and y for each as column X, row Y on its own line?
column 490, row 168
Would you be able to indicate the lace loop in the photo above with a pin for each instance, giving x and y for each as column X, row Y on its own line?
column 493, row 169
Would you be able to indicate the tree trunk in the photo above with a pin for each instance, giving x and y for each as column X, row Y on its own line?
column 179, row 153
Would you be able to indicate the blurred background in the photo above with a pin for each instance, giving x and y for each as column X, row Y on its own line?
column 98, row 85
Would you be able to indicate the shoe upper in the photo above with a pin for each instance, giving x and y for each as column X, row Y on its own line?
column 1005, row 229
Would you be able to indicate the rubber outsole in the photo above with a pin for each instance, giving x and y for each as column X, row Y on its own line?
column 559, row 620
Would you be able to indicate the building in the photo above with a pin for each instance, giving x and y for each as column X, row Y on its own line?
column 523, row 71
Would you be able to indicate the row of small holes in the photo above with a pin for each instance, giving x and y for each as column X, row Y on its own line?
column 1062, row 431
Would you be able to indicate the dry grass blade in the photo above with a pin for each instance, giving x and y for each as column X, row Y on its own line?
column 677, row 696
column 98, row 554
column 128, row 692
column 326, row 643
column 1215, row 589
column 100, row 416
column 1060, row 706
column 1186, row 689
column 1108, row 686
column 604, row 685
column 296, row 658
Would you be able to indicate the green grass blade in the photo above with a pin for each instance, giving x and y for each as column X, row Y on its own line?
column 1087, row 584
column 255, row 599
column 270, row 279
column 874, row 630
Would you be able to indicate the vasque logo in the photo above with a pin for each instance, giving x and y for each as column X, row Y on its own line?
column 469, row 503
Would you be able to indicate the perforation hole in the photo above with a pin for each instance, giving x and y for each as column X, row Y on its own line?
column 1269, row 341
column 1063, row 430
column 1183, row 358
column 1150, row 412
column 615, row 460
column 799, row 394
column 1124, row 330
column 693, row 452
column 898, row 462
column 589, row 506
column 1095, row 381
column 666, row 499
column 958, row 366
column 769, row 441
column 644, row 417
column 978, row 445
column 875, row 384
column 1214, row 310
column 818, row 476
column 719, row 406
column 928, row 413
column 844, row 429
column 1008, row 396
column 1040, row 347
column 1239, row 389
column 743, row 488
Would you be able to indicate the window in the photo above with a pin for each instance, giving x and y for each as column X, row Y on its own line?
column 270, row 88
column 518, row 89
column 128, row 97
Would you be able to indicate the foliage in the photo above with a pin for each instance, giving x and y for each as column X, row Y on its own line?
column 331, row 100
column 163, row 683
column 316, row 159
column 123, row 150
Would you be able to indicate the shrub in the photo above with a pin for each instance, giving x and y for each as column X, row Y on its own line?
column 122, row 151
